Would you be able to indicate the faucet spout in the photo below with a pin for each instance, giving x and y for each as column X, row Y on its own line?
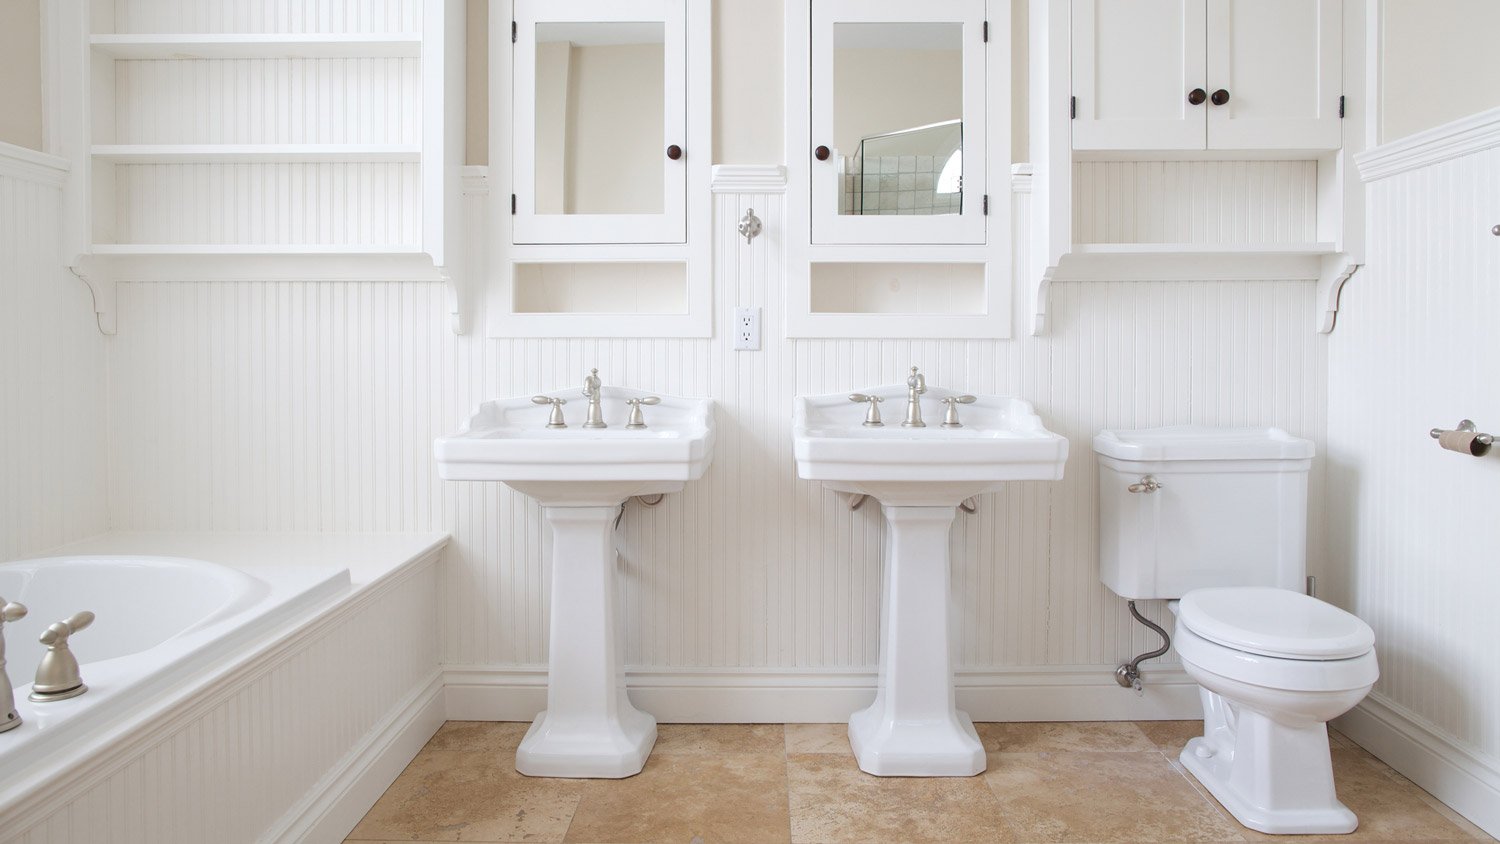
column 592, row 388
column 916, row 385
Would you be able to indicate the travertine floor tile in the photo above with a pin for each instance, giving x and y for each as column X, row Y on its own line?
column 1170, row 736
column 1102, row 797
column 446, row 795
column 734, row 797
column 818, row 738
column 480, row 736
column 698, row 739
column 832, row 800
column 1104, row 736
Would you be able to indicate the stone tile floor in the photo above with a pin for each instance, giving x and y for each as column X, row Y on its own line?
column 1069, row 782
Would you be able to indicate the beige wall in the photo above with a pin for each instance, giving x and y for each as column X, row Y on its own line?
column 1441, row 62
column 879, row 91
column 21, row 73
column 615, row 150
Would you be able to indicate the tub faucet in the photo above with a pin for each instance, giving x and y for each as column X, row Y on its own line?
column 9, row 611
column 916, row 385
column 591, row 391
column 57, row 675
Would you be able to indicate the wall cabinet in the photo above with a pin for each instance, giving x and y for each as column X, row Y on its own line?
column 1207, row 74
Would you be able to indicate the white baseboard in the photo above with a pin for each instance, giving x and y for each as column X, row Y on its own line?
column 1467, row 783
column 331, row 808
column 696, row 696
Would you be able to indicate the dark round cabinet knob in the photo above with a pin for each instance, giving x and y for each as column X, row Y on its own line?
column 1197, row 96
column 1220, row 97
column 674, row 152
column 822, row 153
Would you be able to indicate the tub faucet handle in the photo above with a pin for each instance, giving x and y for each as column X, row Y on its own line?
column 57, row 675
column 9, row 717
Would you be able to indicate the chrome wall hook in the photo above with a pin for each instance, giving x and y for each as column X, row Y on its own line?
column 750, row 225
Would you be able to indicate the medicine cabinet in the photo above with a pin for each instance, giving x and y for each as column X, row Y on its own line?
column 599, row 168
column 898, row 147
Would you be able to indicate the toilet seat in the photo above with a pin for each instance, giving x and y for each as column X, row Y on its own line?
column 1275, row 623
column 1289, row 675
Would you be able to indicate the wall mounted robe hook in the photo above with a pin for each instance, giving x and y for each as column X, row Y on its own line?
column 750, row 225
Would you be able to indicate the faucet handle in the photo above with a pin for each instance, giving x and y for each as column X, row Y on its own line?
column 11, row 611
column 555, row 419
column 637, row 421
column 950, row 418
column 872, row 416
column 58, row 632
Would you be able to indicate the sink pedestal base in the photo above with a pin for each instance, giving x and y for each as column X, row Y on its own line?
column 914, row 729
column 589, row 728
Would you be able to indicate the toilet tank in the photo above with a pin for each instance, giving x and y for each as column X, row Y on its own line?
column 1231, row 509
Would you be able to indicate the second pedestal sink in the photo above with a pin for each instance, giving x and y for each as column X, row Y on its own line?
column 581, row 476
column 920, row 475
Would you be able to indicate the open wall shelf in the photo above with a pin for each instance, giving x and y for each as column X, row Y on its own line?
column 334, row 154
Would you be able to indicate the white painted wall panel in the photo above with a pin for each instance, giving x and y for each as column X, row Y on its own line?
column 1413, row 528
column 53, row 422
column 214, row 16
column 314, row 406
column 268, row 101
column 1195, row 201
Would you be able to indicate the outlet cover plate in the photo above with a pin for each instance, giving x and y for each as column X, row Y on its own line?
column 747, row 329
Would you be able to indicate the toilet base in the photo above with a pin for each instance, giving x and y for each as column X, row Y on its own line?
column 1216, row 777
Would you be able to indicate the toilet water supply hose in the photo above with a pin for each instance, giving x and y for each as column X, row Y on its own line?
column 1129, row 674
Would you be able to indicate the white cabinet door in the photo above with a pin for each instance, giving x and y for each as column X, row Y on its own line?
column 1276, row 65
column 1135, row 66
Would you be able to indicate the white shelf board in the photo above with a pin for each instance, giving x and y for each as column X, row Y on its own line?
column 259, row 46
column 1221, row 249
column 255, row 153
column 147, row 249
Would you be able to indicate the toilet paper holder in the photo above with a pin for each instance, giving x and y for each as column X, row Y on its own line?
column 1481, row 444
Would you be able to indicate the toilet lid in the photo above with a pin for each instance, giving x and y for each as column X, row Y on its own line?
column 1275, row 622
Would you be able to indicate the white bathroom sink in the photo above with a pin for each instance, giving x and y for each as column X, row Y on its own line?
column 1001, row 440
column 508, row 440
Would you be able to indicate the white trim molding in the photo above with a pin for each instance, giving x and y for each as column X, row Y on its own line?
column 32, row 166
column 1466, row 136
column 748, row 178
column 699, row 696
column 1466, row 782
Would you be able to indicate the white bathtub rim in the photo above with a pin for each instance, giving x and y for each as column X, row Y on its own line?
column 60, row 784
column 65, row 733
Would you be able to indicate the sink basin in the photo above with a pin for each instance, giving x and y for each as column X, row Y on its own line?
column 581, row 476
column 1002, row 440
column 508, row 440
column 919, row 476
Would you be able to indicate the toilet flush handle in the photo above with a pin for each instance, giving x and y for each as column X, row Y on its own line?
column 1148, row 485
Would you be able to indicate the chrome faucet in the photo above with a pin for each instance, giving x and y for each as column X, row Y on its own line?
column 57, row 675
column 916, row 385
column 9, row 611
column 592, row 390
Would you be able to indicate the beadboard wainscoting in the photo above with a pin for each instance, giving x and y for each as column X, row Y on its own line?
column 313, row 407
column 52, row 370
column 293, row 745
column 1414, row 350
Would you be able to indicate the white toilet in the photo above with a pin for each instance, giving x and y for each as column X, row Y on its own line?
column 1217, row 517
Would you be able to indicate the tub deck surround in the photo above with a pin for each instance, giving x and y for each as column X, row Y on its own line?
column 582, row 476
column 920, row 475
column 256, row 598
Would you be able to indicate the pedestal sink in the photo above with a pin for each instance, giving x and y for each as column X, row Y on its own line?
column 581, row 476
column 919, row 476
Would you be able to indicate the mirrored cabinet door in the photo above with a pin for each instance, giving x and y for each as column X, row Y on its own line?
column 898, row 121
column 600, row 121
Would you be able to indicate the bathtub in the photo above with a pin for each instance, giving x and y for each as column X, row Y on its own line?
column 161, row 622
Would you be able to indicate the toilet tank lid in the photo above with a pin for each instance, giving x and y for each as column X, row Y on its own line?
column 1196, row 442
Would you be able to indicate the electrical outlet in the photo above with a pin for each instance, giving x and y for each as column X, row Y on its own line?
column 747, row 329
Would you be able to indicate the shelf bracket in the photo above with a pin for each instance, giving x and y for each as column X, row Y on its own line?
column 102, row 287
column 455, row 299
column 1042, row 301
column 1335, row 273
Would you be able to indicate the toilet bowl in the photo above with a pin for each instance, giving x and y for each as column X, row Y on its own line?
column 1274, row 666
